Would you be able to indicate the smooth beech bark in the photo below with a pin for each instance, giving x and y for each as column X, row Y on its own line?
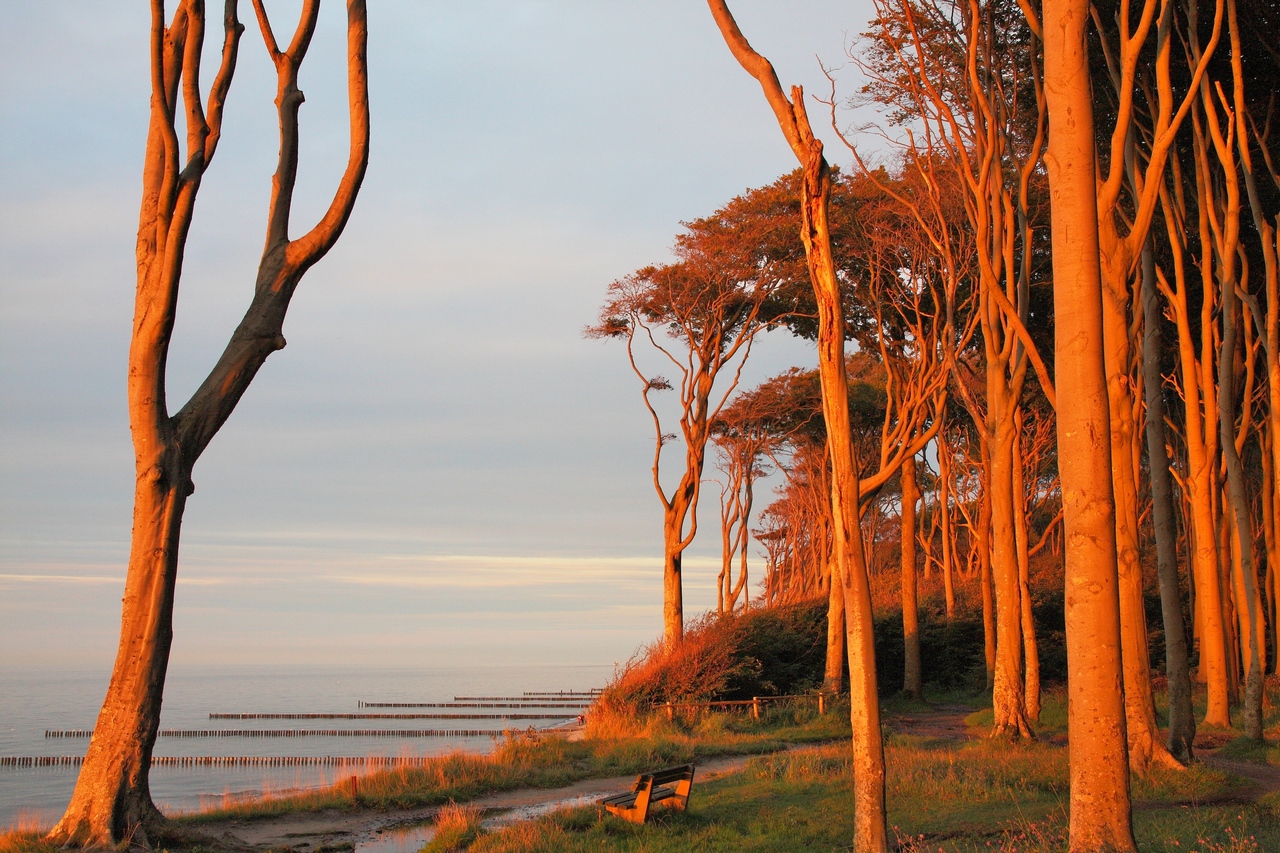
column 971, row 121
column 1249, row 600
column 1182, row 721
column 1200, row 433
column 111, row 804
column 911, row 681
column 1030, row 646
column 1122, row 234
column 870, row 831
column 948, row 543
column 1100, row 808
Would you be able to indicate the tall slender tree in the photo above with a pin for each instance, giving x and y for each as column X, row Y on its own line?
column 870, row 830
column 1100, row 809
column 112, row 802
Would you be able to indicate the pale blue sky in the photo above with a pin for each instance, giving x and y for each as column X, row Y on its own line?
column 438, row 468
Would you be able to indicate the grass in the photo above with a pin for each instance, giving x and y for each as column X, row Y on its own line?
column 456, row 827
column 612, row 747
column 942, row 796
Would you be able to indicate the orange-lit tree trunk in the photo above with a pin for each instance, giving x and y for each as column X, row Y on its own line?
column 981, row 536
column 870, row 830
column 948, row 536
column 1120, row 254
column 1268, row 235
column 981, row 147
column 1196, row 375
column 911, row 681
column 1030, row 647
column 833, row 672
column 1100, row 816
column 1182, row 723
column 111, row 804
column 1249, row 598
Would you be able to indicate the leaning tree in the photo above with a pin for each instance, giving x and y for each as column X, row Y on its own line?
column 112, row 802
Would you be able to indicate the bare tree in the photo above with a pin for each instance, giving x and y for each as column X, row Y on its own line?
column 112, row 799
column 870, row 832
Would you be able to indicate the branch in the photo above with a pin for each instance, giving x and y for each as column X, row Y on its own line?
column 312, row 246
column 222, row 81
column 761, row 69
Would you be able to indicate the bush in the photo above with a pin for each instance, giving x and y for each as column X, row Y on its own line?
column 774, row 652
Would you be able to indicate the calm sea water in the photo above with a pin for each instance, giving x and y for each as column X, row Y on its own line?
column 33, row 702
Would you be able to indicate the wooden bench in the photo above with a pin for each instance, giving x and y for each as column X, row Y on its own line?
column 653, row 788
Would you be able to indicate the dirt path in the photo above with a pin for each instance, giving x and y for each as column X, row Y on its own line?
column 406, row 830
column 334, row 830
column 946, row 722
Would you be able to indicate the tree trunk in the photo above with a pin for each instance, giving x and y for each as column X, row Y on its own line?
column 983, row 551
column 1100, row 817
column 111, row 805
column 672, row 585
column 833, row 678
column 1182, row 722
column 948, row 543
column 911, row 684
column 1031, row 648
column 1253, row 638
column 112, row 797
column 870, row 833
column 1145, row 745
column 1007, row 698
column 1199, row 416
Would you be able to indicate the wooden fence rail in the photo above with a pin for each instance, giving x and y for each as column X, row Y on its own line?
column 753, row 703
column 512, row 703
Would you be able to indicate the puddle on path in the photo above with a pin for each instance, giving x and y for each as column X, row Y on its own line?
column 410, row 838
column 537, row 810
column 397, row 839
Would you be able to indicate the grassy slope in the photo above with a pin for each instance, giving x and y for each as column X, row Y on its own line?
column 943, row 796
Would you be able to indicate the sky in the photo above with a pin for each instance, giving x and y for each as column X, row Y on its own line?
column 439, row 468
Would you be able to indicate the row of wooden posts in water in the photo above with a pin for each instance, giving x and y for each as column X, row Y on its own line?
column 229, row 761
column 190, row 733
column 328, row 716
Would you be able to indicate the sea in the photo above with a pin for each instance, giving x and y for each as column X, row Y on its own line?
column 43, row 713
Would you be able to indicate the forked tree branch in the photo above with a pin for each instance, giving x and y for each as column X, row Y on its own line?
column 283, row 262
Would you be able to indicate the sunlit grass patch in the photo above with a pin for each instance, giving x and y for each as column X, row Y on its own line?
column 537, row 760
column 456, row 827
column 979, row 795
column 24, row 840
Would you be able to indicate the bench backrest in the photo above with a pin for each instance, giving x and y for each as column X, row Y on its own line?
column 672, row 774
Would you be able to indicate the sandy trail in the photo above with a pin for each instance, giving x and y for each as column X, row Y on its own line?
column 338, row 830
column 405, row 830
